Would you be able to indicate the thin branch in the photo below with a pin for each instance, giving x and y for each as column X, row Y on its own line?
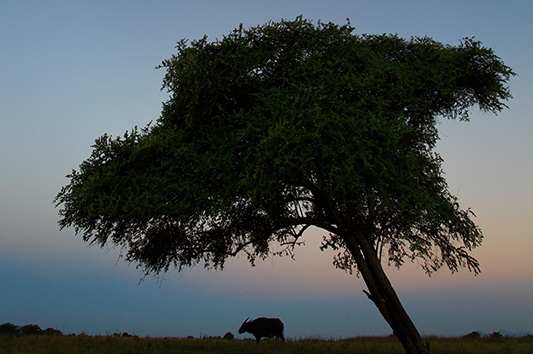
column 307, row 221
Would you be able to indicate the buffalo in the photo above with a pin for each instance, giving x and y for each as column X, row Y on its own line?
column 263, row 327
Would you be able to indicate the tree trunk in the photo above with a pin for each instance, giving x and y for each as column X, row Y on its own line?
column 384, row 297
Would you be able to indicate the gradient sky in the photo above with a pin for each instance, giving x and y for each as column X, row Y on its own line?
column 71, row 71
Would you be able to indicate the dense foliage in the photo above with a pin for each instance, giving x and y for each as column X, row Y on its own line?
column 11, row 329
column 277, row 128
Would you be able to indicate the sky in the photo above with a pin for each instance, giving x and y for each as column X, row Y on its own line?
column 71, row 71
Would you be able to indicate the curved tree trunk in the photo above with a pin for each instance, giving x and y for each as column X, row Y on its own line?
column 383, row 295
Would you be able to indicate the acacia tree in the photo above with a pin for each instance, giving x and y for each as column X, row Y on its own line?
column 280, row 127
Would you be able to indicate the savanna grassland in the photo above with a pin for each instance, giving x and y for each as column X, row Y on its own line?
column 59, row 344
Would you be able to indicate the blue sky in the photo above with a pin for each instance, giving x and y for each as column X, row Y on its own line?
column 72, row 71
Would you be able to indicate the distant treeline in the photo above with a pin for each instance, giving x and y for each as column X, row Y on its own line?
column 11, row 329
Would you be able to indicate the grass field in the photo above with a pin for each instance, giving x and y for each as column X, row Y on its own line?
column 57, row 344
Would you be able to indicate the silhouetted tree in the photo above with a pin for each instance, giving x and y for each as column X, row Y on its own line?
column 10, row 329
column 52, row 332
column 280, row 127
column 31, row 329
column 472, row 335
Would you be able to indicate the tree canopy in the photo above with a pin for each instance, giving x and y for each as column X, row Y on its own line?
column 280, row 127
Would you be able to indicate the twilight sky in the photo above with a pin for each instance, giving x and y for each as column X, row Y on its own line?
column 71, row 71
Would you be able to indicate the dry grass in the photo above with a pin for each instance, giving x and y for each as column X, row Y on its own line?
column 43, row 344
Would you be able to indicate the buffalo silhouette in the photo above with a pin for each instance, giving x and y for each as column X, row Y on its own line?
column 263, row 327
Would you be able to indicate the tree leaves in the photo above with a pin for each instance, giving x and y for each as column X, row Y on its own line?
column 288, row 125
